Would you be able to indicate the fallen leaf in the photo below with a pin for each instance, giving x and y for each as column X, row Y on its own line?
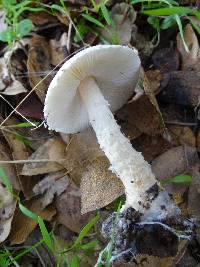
column 42, row 18
column 143, row 115
column 68, row 206
column 22, row 225
column 9, row 169
column 83, row 147
column 194, row 194
column 52, row 150
column 53, row 184
column 99, row 186
column 166, row 59
column 157, row 81
column 8, row 84
column 58, row 49
column 183, row 88
column 19, row 152
column 38, row 63
column 7, row 207
column 31, row 108
column 188, row 60
column 182, row 135
column 175, row 161
column 123, row 16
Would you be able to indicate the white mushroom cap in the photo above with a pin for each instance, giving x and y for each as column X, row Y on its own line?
column 115, row 69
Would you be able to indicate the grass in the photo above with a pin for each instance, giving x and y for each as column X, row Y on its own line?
column 71, row 255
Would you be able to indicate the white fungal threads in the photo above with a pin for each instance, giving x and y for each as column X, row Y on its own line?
column 128, row 164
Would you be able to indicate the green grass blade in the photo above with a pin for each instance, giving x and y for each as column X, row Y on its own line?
column 85, row 230
column 178, row 179
column 93, row 20
column 180, row 27
column 28, row 212
column 167, row 2
column 106, row 14
column 74, row 262
column 45, row 234
column 168, row 11
column 5, row 180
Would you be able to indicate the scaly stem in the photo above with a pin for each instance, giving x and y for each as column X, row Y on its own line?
column 128, row 164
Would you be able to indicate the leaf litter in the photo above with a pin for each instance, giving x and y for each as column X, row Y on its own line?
column 66, row 179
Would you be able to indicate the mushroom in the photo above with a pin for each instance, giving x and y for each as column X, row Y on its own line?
column 86, row 90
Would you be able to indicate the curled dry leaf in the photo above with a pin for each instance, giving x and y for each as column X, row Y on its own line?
column 7, row 207
column 38, row 63
column 188, row 60
column 8, row 84
column 52, row 150
column 22, row 225
column 53, row 184
column 68, row 207
column 58, row 49
column 123, row 16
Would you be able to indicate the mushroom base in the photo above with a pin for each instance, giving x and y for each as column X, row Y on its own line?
column 134, row 236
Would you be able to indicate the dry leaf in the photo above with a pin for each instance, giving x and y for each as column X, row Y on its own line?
column 22, row 225
column 175, row 161
column 188, row 60
column 182, row 135
column 142, row 115
column 194, row 194
column 8, row 84
column 42, row 18
column 58, row 49
column 7, row 207
column 51, row 185
column 68, row 207
column 183, row 88
column 31, row 108
column 166, row 59
column 38, row 63
column 83, row 147
column 123, row 16
column 99, row 186
column 52, row 150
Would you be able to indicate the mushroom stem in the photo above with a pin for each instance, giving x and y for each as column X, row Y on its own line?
column 127, row 163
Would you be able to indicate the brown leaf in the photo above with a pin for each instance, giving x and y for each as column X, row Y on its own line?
column 22, row 225
column 52, row 150
column 99, row 186
column 8, row 84
column 53, row 184
column 142, row 115
column 188, row 60
column 183, row 88
column 38, row 63
column 166, row 59
column 182, row 135
column 9, row 169
column 7, row 207
column 175, row 161
column 68, row 207
column 41, row 18
column 157, row 81
column 31, row 108
column 58, row 49
column 194, row 194
column 82, row 147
